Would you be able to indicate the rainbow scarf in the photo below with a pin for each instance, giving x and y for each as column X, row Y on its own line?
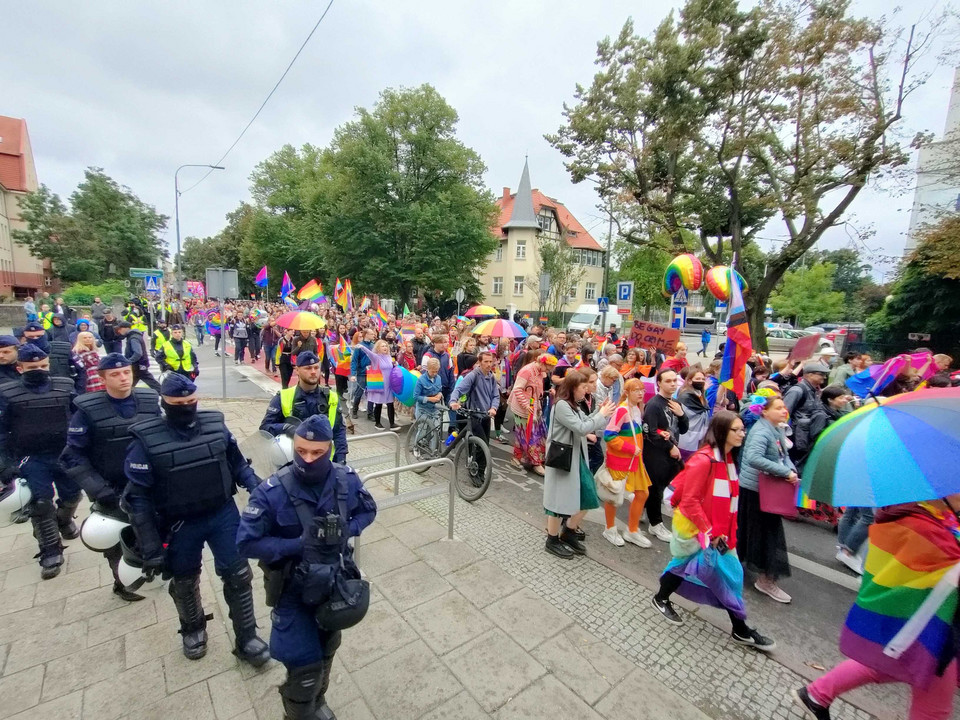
column 374, row 378
column 911, row 551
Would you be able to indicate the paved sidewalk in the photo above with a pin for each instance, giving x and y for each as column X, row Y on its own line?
column 486, row 626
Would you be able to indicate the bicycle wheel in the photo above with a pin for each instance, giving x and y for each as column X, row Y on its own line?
column 421, row 436
column 474, row 468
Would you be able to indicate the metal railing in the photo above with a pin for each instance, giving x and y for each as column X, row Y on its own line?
column 377, row 459
column 415, row 495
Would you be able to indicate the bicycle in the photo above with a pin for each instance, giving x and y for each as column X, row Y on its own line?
column 426, row 441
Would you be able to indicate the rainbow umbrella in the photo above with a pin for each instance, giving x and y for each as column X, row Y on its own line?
column 300, row 320
column 500, row 328
column 904, row 449
column 481, row 311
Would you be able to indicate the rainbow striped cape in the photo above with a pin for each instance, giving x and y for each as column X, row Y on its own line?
column 912, row 548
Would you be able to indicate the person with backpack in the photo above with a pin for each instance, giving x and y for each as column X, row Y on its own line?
column 803, row 403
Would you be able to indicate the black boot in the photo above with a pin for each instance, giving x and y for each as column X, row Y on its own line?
column 66, row 511
column 185, row 592
column 113, row 556
column 43, row 515
column 238, row 592
column 329, row 650
column 555, row 546
column 569, row 537
column 299, row 692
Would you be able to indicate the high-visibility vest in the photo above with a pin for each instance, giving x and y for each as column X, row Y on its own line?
column 178, row 362
column 47, row 319
column 286, row 407
column 159, row 339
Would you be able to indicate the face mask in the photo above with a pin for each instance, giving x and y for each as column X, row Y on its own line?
column 312, row 472
column 180, row 415
column 698, row 385
column 35, row 378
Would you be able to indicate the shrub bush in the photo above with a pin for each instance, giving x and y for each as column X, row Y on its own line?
column 83, row 293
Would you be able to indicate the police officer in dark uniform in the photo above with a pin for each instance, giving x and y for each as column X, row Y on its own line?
column 307, row 398
column 97, row 442
column 34, row 414
column 8, row 358
column 135, row 351
column 183, row 470
column 176, row 355
column 271, row 531
column 34, row 333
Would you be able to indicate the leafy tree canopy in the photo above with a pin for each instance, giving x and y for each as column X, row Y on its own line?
column 105, row 231
column 807, row 295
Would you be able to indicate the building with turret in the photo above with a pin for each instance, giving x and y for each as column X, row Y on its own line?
column 527, row 217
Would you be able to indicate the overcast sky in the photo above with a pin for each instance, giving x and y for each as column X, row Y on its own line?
column 139, row 88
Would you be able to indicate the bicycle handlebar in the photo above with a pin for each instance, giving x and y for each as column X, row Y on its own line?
column 465, row 411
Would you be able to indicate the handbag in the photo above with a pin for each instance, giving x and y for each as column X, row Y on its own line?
column 778, row 496
column 608, row 489
column 559, row 455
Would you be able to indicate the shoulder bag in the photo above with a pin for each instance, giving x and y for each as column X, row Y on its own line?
column 778, row 496
column 559, row 455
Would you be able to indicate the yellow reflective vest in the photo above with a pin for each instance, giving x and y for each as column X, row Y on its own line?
column 286, row 407
column 178, row 362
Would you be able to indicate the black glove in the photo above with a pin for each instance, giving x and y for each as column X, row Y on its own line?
column 152, row 567
column 290, row 428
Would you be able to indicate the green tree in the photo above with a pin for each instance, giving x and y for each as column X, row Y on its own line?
column 404, row 206
column 106, row 230
column 556, row 259
column 807, row 295
column 645, row 266
column 725, row 118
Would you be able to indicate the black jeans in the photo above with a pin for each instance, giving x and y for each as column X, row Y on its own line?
column 286, row 371
column 669, row 583
column 377, row 411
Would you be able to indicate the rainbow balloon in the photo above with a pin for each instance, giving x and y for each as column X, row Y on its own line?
column 718, row 282
column 403, row 382
column 684, row 271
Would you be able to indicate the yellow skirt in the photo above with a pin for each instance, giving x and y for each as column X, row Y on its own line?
column 637, row 480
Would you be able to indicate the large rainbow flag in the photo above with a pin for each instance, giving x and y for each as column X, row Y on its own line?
column 340, row 295
column 348, row 288
column 313, row 291
column 739, row 346
column 901, row 621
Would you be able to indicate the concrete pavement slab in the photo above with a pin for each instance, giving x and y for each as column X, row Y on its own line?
column 382, row 631
column 547, row 699
column 411, row 585
column 447, row 557
column 68, row 707
column 448, row 621
column 20, row 690
column 461, row 707
column 583, row 663
column 83, row 669
column 483, row 583
column 527, row 618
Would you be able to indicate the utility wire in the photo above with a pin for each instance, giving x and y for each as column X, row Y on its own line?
column 264, row 103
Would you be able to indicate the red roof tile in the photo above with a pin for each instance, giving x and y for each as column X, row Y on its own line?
column 568, row 222
column 13, row 161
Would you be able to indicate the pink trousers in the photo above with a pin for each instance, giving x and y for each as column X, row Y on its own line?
column 933, row 703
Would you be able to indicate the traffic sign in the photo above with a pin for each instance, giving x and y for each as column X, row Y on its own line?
column 150, row 284
column 603, row 304
column 680, row 298
column 625, row 297
column 145, row 272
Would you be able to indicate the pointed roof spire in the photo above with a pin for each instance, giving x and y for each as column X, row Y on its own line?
column 523, row 215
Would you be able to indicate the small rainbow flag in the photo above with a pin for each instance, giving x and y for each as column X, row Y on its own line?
column 349, row 291
column 311, row 291
column 374, row 378
column 382, row 315
column 365, row 304
column 340, row 295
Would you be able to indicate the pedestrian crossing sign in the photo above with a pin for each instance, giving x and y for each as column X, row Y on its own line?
column 150, row 284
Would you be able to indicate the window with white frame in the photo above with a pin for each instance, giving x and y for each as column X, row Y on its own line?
column 521, row 249
column 590, row 292
column 497, row 285
column 518, row 284
column 499, row 253
column 572, row 292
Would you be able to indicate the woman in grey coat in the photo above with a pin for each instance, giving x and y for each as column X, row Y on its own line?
column 561, row 489
column 761, row 542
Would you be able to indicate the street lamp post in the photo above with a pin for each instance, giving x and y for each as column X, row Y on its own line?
column 176, row 206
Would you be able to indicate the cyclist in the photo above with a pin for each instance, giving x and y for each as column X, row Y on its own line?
column 479, row 390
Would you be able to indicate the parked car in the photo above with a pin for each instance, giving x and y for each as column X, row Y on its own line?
column 721, row 328
column 783, row 340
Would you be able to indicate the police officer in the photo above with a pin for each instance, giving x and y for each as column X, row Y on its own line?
column 270, row 530
column 8, row 358
column 34, row 333
column 291, row 406
column 34, row 414
column 177, row 355
column 183, row 470
column 160, row 335
column 97, row 442
column 136, row 352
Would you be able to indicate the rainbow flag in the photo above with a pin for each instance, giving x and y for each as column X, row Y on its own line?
column 374, row 378
column 340, row 295
column 403, row 382
column 287, row 287
column 365, row 304
column 341, row 355
column 349, row 291
column 311, row 291
column 291, row 303
column 261, row 279
column 906, row 559
column 382, row 315
column 739, row 347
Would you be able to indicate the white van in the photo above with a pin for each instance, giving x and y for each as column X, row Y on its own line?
column 588, row 316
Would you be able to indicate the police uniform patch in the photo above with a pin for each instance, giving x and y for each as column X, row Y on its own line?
column 252, row 511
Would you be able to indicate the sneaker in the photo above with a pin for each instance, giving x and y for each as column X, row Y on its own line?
column 755, row 640
column 803, row 699
column 378, row 426
column 612, row 536
column 569, row 538
column 395, row 427
column 554, row 546
column 665, row 607
column 851, row 561
column 217, row 353
column 637, row 538
column 773, row 591
column 660, row 532
column 353, row 414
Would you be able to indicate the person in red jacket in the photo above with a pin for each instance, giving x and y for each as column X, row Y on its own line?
column 705, row 567
column 677, row 361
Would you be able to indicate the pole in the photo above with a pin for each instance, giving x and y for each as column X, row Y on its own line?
column 223, row 338
column 606, row 273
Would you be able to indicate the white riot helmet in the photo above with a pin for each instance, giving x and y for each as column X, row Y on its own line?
column 99, row 531
column 130, row 568
column 14, row 496
column 281, row 452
